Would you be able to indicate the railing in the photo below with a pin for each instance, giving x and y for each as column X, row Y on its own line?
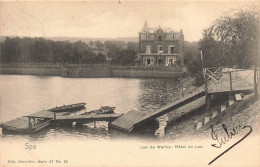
column 219, row 79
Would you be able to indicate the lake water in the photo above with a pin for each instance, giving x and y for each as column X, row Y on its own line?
column 24, row 94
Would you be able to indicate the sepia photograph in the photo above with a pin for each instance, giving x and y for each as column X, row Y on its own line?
column 129, row 83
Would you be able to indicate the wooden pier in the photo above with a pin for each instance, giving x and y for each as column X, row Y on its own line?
column 134, row 119
column 81, row 119
column 220, row 80
column 34, row 122
column 228, row 80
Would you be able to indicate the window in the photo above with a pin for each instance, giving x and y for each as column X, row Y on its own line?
column 170, row 36
column 170, row 49
column 148, row 48
column 160, row 38
column 142, row 36
column 170, row 60
column 151, row 36
column 146, row 36
column 149, row 60
column 160, row 49
column 160, row 60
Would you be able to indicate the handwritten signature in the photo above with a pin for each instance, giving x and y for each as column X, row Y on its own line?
column 229, row 136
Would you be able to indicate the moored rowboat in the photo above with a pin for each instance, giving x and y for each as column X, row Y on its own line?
column 102, row 110
column 71, row 107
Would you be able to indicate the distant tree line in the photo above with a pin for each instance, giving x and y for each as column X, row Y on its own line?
column 30, row 50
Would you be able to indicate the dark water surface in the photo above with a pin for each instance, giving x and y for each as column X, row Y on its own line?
column 24, row 94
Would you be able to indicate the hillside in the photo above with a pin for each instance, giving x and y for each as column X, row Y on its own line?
column 85, row 39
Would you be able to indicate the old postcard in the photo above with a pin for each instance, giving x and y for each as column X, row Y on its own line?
column 129, row 83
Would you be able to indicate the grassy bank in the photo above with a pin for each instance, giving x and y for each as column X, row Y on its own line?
column 245, row 112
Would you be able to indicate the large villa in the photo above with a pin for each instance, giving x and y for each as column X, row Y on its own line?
column 160, row 46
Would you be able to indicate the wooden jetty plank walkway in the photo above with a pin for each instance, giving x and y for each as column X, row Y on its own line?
column 170, row 107
column 88, row 118
column 24, row 124
column 126, row 122
column 34, row 122
column 132, row 119
column 232, row 81
column 46, row 114
column 19, row 123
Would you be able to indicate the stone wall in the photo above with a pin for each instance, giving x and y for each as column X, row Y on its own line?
column 95, row 71
column 31, row 71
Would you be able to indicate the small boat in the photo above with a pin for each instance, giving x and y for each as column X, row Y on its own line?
column 102, row 110
column 71, row 107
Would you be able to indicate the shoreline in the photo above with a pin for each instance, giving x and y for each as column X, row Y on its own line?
column 95, row 71
column 245, row 112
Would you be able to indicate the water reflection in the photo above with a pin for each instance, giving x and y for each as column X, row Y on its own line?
column 155, row 93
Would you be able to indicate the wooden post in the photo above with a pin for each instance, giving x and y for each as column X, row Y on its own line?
column 182, row 89
column 255, row 82
column 257, row 79
column 202, row 64
column 206, row 83
column 208, row 102
column 30, row 124
column 204, row 72
column 230, row 77
column 257, row 59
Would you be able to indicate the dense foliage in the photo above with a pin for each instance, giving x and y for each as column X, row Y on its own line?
column 232, row 39
column 40, row 50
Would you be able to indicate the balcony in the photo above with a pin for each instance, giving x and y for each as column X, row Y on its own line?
column 160, row 52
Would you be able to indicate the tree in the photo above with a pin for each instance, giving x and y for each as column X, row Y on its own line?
column 239, row 35
column 191, row 51
column 211, row 49
column 11, row 50
column 78, row 51
column 133, row 45
column 42, row 52
column 62, row 51
column 91, row 43
column 100, row 58
column 126, row 56
column 99, row 45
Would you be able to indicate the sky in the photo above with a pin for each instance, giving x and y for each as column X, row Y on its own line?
column 109, row 19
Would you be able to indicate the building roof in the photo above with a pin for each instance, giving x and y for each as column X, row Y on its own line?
column 146, row 28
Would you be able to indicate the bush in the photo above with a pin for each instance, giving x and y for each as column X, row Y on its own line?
column 194, row 67
column 199, row 79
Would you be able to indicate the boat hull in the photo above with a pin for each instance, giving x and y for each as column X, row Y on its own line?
column 72, row 107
